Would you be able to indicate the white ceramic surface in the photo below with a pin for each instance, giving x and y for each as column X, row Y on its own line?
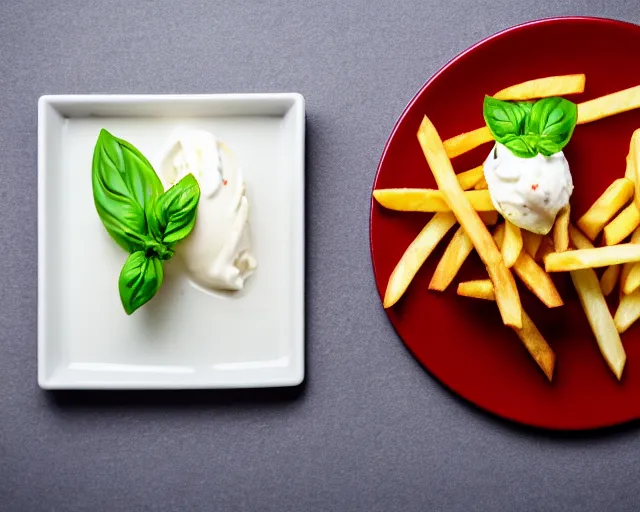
column 184, row 337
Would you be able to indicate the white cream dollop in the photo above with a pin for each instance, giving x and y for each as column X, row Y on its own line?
column 529, row 192
column 217, row 253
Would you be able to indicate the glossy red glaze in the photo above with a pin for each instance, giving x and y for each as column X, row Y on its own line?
column 462, row 341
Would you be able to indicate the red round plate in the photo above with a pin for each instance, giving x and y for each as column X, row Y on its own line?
column 462, row 341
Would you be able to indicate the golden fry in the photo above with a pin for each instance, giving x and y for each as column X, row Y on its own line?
column 415, row 255
column 633, row 159
column 622, row 226
column 537, row 280
column 634, row 152
column 481, row 185
column 632, row 279
column 543, row 88
column 529, row 334
column 512, row 245
column 606, row 206
column 428, row 200
column 454, row 256
column 480, row 289
column 468, row 179
column 531, row 242
column 595, row 307
column 531, row 274
column 561, row 230
column 628, row 311
column 609, row 105
column 578, row 239
column 467, row 141
column 505, row 286
column 609, row 279
column 626, row 268
column 630, row 170
column 592, row 258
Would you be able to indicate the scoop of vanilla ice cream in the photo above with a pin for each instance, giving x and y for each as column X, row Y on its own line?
column 529, row 192
column 217, row 253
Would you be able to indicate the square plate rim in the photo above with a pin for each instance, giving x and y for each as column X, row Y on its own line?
column 294, row 374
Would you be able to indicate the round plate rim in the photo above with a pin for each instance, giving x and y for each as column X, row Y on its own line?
column 440, row 71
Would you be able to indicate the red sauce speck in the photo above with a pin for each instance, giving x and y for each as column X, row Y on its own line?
column 534, row 187
column 224, row 182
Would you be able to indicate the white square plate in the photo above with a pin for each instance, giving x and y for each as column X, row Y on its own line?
column 183, row 338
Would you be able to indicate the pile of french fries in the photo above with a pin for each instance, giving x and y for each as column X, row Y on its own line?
column 463, row 200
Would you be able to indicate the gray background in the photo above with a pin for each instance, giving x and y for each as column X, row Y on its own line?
column 370, row 430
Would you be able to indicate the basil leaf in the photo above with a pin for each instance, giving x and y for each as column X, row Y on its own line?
column 123, row 182
column 139, row 281
column 525, row 106
column 553, row 121
column 142, row 180
column 523, row 146
column 172, row 216
column 503, row 118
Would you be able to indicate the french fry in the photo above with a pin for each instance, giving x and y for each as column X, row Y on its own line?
column 630, row 170
column 512, row 245
column 595, row 307
column 531, row 242
column 428, row 200
column 454, row 256
column 606, row 206
column 543, row 88
column 592, row 258
column 467, row 141
column 604, row 329
column 481, row 185
column 529, row 334
column 479, row 289
column 609, row 105
column 626, row 268
column 634, row 151
column 578, row 239
column 468, row 179
column 537, row 281
column 628, row 311
column 632, row 279
column 633, row 159
column 561, row 230
column 396, row 196
column 622, row 226
column 505, row 286
column 531, row 274
column 415, row 255
column 609, row 279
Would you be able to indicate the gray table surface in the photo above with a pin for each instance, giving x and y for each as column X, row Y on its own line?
column 370, row 430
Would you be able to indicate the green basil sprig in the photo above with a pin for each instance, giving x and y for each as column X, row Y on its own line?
column 527, row 128
column 139, row 215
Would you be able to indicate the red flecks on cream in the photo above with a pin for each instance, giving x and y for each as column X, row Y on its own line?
column 534, row 187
